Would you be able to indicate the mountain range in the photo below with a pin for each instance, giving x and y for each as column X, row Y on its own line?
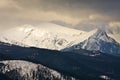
column 54, row 52
column 56, row 37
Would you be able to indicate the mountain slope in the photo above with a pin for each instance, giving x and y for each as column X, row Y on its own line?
column 23, row 70
column 99, row 41
column 46, row 35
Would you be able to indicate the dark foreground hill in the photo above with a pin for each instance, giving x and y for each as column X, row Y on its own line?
column 72, row 64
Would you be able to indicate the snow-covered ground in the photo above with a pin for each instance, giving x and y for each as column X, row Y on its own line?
column 23, row 70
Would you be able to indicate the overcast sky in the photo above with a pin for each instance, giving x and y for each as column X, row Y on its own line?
column 72, row 12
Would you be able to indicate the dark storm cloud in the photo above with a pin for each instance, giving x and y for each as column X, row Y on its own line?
column 75, row 8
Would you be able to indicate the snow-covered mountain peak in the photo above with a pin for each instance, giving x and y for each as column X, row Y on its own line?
column 45, row 35
column 98, row 41
column 57, row 37
column 101, row 35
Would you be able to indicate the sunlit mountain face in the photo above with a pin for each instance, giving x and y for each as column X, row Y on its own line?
column 59, row 40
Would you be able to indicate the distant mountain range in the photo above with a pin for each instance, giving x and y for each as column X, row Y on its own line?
column 56, row 37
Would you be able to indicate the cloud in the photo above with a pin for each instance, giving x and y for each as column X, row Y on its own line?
column 47, row 16
column 9, row 4
column 88, row 12
column 98, row 17
column 114, row 24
